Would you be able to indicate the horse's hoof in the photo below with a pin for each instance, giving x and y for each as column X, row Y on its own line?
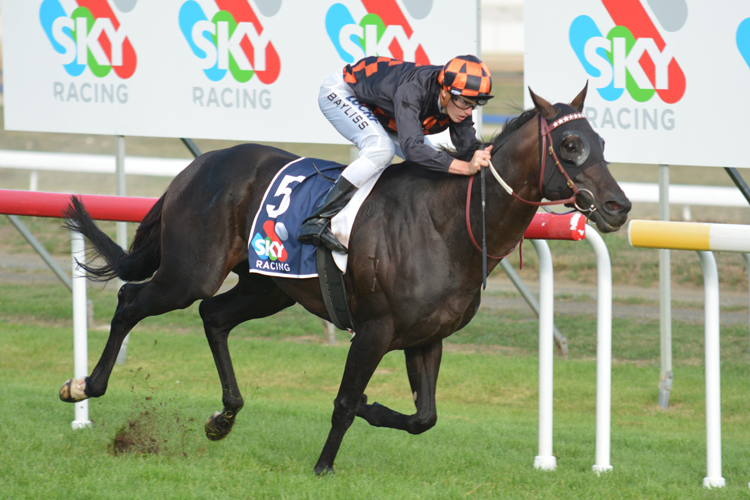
column 73, row 390
column 324, row 470
column 219, row 425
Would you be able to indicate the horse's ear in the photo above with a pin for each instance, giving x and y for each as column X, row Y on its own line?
column 578, row 101
column 542, row 106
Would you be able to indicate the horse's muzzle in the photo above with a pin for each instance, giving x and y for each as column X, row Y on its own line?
column 612, row 214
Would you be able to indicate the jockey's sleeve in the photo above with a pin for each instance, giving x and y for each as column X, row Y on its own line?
column 410, row 134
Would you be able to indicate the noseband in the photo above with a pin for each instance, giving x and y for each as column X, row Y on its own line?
column 545, row 131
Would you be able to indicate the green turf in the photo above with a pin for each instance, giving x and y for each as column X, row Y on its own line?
column 482, row 447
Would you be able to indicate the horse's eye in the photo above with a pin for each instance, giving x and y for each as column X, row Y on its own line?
column 573, row 148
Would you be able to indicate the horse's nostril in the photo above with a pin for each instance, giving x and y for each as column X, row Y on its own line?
column 614, row 207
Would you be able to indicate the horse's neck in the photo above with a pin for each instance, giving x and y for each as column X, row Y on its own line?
column 508, row 217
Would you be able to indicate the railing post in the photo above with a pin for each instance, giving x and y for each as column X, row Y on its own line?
column 713, row 477
column 80, row 331
column 545, row 459
column 665, row 296
column 122, row 227
column 603, row 351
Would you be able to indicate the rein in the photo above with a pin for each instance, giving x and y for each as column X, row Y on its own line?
column 468, row 222
column 545, row 131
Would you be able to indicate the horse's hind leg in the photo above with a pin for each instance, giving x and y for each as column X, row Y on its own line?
column 422, row 366
column 255, row 296
column 134, row 302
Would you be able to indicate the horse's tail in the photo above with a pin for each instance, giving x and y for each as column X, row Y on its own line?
column 137, row 264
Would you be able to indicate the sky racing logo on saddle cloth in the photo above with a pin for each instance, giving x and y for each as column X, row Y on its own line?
column 383, row 31
column 633, row 56
column 228, row 37
column 88, row 36
column 271, row 246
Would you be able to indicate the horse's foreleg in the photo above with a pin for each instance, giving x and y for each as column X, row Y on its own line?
column 255, row 296
column 422, row 366
column 364, row 356
column 134, row 302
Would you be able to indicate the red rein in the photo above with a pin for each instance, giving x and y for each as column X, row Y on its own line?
column 471, row 234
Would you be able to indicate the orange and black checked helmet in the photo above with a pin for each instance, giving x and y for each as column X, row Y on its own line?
column 468, row 77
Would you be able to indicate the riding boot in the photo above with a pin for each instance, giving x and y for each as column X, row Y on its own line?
column 316, row 228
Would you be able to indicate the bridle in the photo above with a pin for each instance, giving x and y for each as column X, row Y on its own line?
column 545, row 131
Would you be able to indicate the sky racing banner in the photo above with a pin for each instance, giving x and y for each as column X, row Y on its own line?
column 667, row 79
column 217, row 69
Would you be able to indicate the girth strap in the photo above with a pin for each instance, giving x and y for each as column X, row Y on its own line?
column 332, row 289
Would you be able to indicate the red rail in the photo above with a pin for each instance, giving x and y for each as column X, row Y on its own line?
column 544, row 226
column 117, row 208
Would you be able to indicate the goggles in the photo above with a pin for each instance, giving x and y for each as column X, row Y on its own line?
column 463, row 104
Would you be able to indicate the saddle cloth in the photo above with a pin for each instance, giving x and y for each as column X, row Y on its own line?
column 294, row 193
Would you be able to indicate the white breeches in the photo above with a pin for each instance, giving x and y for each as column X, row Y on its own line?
column 358, row 124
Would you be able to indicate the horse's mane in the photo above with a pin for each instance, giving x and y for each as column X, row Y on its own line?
column 510, row 127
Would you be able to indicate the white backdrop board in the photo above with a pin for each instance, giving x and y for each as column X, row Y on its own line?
column 214, row 69
column 668, row 81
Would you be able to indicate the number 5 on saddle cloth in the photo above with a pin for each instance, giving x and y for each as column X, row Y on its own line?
column 273, row 249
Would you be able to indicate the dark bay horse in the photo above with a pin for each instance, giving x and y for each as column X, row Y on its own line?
column 414, row 275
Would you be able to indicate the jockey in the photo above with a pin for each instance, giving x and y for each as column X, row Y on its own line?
column 387, row 107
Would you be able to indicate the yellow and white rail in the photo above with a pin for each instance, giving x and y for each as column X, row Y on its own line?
column 689, row 236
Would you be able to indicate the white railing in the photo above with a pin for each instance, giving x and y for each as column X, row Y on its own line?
column 545, row 459
column 703, row 238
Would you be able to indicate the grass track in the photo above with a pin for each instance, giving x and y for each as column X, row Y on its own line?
column 482, row 447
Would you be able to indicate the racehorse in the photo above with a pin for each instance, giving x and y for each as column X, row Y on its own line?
column 414, row 272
